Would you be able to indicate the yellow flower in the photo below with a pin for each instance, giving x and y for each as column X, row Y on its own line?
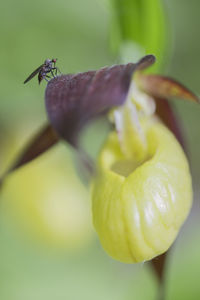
column 140, row 201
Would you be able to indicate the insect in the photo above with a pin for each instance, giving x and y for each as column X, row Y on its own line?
column 49, row 66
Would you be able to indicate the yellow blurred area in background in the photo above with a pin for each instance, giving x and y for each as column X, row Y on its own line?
column 47, row 200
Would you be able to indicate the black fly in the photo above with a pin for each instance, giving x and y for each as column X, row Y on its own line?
column 49, row 66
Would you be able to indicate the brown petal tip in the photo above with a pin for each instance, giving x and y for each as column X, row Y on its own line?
column 165, row 87
column 146, row 62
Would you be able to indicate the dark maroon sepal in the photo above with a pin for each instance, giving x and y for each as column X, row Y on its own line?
column 74, row 100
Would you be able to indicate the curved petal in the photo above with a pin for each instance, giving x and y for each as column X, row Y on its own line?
column 165, row 87
column 74, row 100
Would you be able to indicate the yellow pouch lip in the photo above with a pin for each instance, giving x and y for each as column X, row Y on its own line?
column 164, row 152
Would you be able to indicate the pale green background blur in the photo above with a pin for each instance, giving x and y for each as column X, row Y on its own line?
column 77, row 33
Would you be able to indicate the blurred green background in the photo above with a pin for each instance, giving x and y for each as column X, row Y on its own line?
column 48, row 247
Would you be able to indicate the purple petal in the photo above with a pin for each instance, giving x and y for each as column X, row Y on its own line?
column 74, row 100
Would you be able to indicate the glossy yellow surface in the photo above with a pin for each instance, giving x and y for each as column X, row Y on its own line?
column 139, row 206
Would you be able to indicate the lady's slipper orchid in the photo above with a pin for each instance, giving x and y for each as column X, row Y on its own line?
column 141, row 188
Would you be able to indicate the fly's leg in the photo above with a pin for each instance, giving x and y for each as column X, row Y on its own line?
column 52, row 73
column 54, row 69
column 42, row 76
column 58, row 70
column 47, row 76
column 49, row 71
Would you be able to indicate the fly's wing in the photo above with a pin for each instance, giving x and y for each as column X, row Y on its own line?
column 34, row 73
column 40, row 77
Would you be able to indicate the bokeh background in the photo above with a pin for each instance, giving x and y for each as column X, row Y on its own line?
column 48, row 247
